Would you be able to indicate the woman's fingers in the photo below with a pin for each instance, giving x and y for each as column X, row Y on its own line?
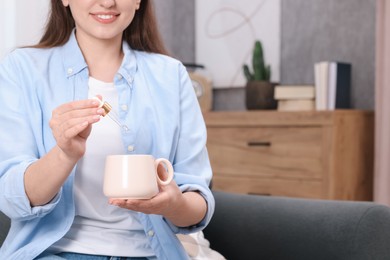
column 74, row 127
column 75, row 113
column 71, row 124
column 76, row 105
column 165, row 201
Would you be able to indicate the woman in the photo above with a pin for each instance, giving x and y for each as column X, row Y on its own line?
column 54, row 139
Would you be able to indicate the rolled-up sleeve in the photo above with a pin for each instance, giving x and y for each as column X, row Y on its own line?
column 13, row 199
column 191, row 163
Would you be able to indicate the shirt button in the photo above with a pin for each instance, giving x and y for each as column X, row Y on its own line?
column 124, row 107
column 150, row 233
column 70, row 71
column 119, row 76
column 130, row 148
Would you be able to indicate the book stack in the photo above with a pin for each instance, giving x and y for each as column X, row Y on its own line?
column 332, row 85
column 295, row 97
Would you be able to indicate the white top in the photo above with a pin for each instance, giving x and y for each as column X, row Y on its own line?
column 100, row 228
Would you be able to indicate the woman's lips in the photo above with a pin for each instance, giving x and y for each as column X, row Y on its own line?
column 105, row 18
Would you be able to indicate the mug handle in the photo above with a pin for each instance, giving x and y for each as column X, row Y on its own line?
column 169, row 168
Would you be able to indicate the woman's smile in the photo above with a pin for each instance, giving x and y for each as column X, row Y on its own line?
column 105, row 18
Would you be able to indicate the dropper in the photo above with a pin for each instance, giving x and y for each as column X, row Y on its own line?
column 108, row 111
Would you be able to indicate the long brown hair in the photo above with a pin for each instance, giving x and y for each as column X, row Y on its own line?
column 142, row 33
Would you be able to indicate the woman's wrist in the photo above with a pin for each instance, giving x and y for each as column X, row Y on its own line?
column 189, row 211
column 64, row 158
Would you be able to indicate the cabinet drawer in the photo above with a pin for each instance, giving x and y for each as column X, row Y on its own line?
column 288, row 152
column 270, row 186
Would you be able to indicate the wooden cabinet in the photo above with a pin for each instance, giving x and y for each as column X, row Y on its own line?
column 314, row 154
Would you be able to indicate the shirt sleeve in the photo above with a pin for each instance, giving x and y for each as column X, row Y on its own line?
column 191, row 162
column 18, row 144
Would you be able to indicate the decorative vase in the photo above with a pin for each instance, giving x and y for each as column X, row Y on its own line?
column 260, row 95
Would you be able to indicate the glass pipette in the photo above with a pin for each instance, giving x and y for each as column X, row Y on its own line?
column 108, row 111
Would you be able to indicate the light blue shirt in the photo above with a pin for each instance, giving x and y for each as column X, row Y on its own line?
column 164, row 120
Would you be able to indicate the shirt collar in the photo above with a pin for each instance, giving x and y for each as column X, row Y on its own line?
column 74, row 61
column 73, row 58
column 129, row 64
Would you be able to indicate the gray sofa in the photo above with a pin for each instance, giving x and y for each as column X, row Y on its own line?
column 4, row 227
column 272, row 228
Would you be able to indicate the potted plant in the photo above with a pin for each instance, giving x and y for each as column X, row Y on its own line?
column 259, row 89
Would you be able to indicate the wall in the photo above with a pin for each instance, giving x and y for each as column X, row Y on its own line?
column 319, row 30
column 177, row 23
column 21, row 23
column 312, row 31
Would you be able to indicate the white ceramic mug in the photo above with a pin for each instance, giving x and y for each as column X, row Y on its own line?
column 134, row 176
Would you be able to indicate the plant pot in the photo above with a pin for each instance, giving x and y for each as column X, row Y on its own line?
column 260, row 95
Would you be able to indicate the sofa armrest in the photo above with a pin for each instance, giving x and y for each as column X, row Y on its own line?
column 263, row 227
column 4, row 227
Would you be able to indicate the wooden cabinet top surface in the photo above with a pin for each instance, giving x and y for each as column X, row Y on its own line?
column 279, row 118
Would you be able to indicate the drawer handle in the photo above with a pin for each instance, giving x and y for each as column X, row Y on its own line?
column 259, row 194
column 259, row 144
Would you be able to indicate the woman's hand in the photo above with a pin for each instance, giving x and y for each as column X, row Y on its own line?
column 167, row 200
column 182, row 209
column 71, row 124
